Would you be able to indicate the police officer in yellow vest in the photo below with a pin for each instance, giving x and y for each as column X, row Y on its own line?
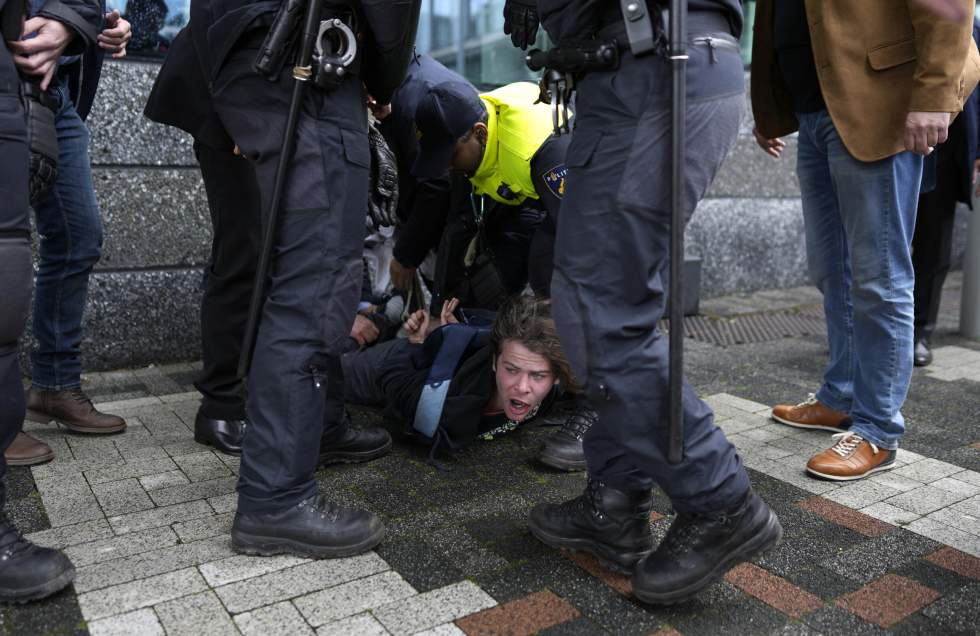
column 504, row 143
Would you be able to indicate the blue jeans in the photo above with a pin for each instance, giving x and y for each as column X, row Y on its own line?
column 69, row 227
column 860, row 218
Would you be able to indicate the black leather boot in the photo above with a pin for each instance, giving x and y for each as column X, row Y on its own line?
column 29, row 572
column 313, row 528
column 923, row 353
column 611, row 524
column 563, row 448
column 699, row 549
column 355, row 445
column 223, row 435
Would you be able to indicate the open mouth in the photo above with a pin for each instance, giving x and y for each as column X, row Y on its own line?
column 518, row 408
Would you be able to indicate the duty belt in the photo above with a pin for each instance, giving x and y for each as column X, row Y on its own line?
column 710, row 29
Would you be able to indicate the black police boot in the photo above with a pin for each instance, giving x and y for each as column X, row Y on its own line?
column 355, row 445
column 223, row 435
column 563, row 448
column 611, row 524
column 313, row 528
column 29, row 572
column 699, row 549
column 923, row 353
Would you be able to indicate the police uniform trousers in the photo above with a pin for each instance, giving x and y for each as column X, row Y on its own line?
column 611, row 279
column 294, row 385
column 15, row 255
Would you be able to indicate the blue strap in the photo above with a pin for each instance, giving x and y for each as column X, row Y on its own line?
column 456, row 340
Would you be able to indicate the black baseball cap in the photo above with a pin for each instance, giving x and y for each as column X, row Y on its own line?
column 444, row 115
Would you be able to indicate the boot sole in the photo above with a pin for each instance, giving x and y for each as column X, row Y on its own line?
column 609, row 559
column 876, row 469
column 38, row 592
column 30, row 461
column 206, row 442
column 41, row 418
column 768, row 538
column 354, row 458
column 809, row 427
column 254, row 545
column 559, row 463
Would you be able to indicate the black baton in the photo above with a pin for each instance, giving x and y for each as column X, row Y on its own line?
column 302, row 73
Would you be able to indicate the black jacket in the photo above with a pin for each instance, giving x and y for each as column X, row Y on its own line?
column 85, row 18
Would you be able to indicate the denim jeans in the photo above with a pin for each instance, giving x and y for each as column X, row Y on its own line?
column 69, row 227
column 860, row 218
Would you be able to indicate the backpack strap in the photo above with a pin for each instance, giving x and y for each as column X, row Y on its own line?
column 456, row 340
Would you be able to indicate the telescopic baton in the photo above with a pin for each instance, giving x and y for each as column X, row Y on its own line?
column 678, row 59
column 302, row 73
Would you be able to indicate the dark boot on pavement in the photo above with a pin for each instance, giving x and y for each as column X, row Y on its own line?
column 355, row 445
column 612, row 524
column 699, row 549
column 72, row 408
column 29, row 572
column 923, row 353
column 312, row 528
column 563, row 448
column 223, row 435
column 27, row 451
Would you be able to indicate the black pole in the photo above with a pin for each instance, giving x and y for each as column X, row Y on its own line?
column 301, row 73
column 678, row 58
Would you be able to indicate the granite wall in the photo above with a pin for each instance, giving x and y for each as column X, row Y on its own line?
column 144, row 297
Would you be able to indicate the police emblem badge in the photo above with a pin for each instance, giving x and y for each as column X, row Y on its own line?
column 555, row 180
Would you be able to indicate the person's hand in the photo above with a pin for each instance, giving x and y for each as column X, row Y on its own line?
column 364, row 330
column 380, row 111
column 976, row 175
column 446, row 316
column 116, row 35
column 924, row 131
column 521, row 22
column 38, row 55
column 772, row 147
column 401, row 276
column 949, row 9
column 417, row 326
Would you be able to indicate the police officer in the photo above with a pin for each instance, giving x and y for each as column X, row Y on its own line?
column 27, row 572
column 294, row 386
column 609, row 291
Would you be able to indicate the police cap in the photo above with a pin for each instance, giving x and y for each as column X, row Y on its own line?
column 444, row 115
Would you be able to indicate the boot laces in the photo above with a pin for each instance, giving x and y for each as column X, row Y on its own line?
column 688, row 527
column 79, row 396
column 588, row 502
column 811, row 399
column 846, row 443
column 12, row 542
column 578, row 423
column 320, row 505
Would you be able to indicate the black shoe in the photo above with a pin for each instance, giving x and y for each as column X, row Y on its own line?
column 611, row 524
column 699, row 549
column 923, row 354
column 314, row 528
column 356, row 445
column 563, row 448
column 29, row 572
column 223, row 435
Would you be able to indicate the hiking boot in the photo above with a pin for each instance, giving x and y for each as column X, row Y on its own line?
column 72, row 408
column 700, row 548
column 563, row 448
column 356, row 445
column 29, row 572
column 851, row 457
column 811, row 415
column 314, row 528
column 611, row 524
column 27, row 451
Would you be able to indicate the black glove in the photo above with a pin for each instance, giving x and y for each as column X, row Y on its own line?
column 521, row 22
column 383, row 198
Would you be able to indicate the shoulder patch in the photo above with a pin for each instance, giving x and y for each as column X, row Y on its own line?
column 555, row 180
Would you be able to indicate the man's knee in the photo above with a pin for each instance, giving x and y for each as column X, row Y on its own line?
column 15, row 280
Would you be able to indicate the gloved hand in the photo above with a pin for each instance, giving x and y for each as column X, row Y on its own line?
column 383, row 198
column 521, row 22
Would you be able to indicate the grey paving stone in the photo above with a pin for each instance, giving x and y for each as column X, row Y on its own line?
column 186, row 396
column 890, row 514
column 139, row 623
column 137, row 468
column 927, row 470
column 446, row 629
column 959, row 520
column 860, row 494
column 184, row 447
column 68, row 500
column 297, row 581
column 241, row 567
column 142, row 593
column 163, row 480
column 969, row 506
column 433, row 608
column 88, row 448
column 155, row 562
column 362, row 625
column 65, row 536
column 224, row 503
column 741, row 404
column 202, row 466
column 159, row 517
column 341, row 601
column 141, row 449
column 966, row 542
column 124, row 405
column 892, row 480
column 71, row 467
column 194, row 615
column 122, row 497
column 204, row 528
column 765, row 433
column 969, row 476
column 925, row 499
column 956, row 486
column 118, row 547
column 281, row 618
column 868, row 560
column 192, row 491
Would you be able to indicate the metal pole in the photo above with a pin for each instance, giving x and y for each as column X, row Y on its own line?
column 970, row 299
column 678, row 58
column 301, row 73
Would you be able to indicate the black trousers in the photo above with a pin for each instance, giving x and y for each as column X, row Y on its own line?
column 15, row 256
column 234, row 201
column 932, row 245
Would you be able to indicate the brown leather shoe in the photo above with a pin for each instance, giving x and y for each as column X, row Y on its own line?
column 852, row 457
column 812, row 415
column 71, row 408
column 27, row 451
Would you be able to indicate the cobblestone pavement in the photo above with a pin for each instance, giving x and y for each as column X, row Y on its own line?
column 145, row 517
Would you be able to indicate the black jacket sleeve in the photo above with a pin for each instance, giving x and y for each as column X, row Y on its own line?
column 570, row 21
column 84, row 17
column 422, row 230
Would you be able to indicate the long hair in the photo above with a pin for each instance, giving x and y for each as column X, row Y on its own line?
column 528, row 321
